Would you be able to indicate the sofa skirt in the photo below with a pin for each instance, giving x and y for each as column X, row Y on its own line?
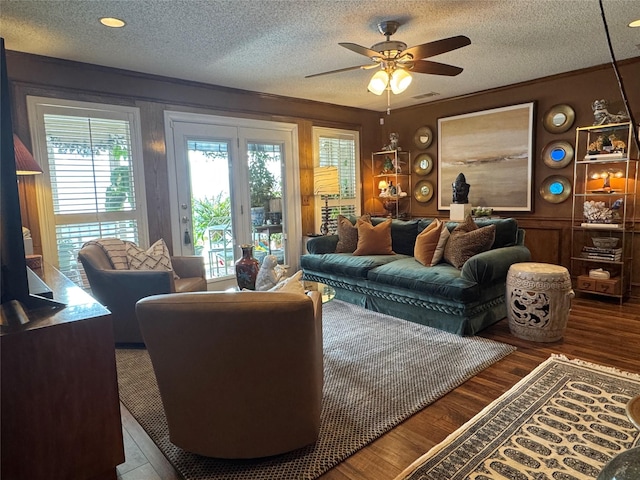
column 461, row 320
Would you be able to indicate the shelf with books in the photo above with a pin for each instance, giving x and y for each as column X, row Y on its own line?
column 604, row 203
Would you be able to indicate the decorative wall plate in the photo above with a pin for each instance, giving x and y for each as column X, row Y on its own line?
column 557, row 154
column 555, row 189
column 423, row 164
column 559, row 118
column 423, row 191
column 423, row 137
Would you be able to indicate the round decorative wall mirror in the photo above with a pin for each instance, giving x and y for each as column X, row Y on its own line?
column 557, row 154
column 423, row 191
column 559, row 118
column 423, row 164
column 555, row 189
column 423, row 137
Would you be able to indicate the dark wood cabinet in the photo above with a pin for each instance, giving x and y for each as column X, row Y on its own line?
column 60, row 411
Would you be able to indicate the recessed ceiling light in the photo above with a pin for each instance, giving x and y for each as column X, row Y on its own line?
column 635, row 23
column 112, row 22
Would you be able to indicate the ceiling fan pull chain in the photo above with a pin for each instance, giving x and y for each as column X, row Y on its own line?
column 388, row 102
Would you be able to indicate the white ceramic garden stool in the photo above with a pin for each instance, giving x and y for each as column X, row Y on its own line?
column 538, row 301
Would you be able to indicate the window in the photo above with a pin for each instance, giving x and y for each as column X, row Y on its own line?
column 92, row 185
column 338, row 148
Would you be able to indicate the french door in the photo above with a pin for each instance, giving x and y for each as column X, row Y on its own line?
column 229, row 183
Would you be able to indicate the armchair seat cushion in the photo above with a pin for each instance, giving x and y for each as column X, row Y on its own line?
column 190, row 284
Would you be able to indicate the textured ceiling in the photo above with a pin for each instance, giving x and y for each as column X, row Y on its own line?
column 270, row 45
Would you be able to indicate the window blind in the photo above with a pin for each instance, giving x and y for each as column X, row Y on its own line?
column 91, row 176
column 338, row 148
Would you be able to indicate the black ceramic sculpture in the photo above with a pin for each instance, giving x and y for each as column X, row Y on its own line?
column 461, row 189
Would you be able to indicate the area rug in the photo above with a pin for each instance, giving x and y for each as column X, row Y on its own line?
column 378, row 371
column 563, row 421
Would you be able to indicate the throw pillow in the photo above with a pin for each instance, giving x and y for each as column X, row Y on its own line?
column 348, row 234
column 156, row 257
column 466, row 226
column 374, row 240
column 462, row 245
column 430, row 244
column 115, row 249
column 442, row 243
column 292, row 284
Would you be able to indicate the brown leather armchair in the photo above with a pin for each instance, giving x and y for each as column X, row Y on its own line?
column 240, row 373
column 119, row 290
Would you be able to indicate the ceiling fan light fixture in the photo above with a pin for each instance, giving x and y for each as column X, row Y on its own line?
column 400, row 80
column 378, row 82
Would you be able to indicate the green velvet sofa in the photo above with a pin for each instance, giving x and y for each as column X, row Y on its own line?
column 462, row 301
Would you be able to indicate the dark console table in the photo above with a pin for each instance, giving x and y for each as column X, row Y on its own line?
column 60, row 412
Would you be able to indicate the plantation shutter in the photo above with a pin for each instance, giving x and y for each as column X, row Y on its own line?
column 92, row 183
column 339, row 148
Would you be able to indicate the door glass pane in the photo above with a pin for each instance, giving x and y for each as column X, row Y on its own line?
column 208, row 165
column 266, row 191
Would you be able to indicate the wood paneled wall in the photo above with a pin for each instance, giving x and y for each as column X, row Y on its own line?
column 49, row 77
column 548, row 226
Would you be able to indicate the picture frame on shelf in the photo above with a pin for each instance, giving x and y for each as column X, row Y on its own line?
column 493, row 149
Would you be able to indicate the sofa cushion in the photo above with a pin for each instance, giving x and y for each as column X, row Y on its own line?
column 374, row 240
column 443, row 280
column 430, row 244
column 468, row 240
column 348, row 234
column 403, row 234
column 506, row 231
column 346, row 264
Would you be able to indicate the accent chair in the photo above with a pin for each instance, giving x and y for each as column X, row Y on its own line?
column 119, row 290
column 240, row 373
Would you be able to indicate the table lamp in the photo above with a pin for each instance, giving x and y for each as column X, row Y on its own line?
column 325, row 182
column 25, row 163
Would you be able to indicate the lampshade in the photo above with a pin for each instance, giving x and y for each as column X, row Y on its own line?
column 383, row 184
column 378, row 82
column 326, row 181
column 25, row 163
column 400, row 80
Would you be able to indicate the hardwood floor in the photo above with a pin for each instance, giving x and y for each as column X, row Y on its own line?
column 598, row 331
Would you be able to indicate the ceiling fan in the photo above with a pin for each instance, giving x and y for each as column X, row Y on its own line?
column 395, row 60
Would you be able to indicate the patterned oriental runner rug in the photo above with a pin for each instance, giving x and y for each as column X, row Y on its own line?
column 563, row 421
column 378, row 371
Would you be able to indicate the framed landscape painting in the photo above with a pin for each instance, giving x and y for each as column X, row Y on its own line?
column 494, row 150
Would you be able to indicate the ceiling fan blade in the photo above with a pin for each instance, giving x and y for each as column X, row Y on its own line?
column 435, row 68
column 432, row 49
column 367, row 52
column 361, row 67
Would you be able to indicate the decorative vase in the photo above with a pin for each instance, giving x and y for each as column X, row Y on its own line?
column 247, row 269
